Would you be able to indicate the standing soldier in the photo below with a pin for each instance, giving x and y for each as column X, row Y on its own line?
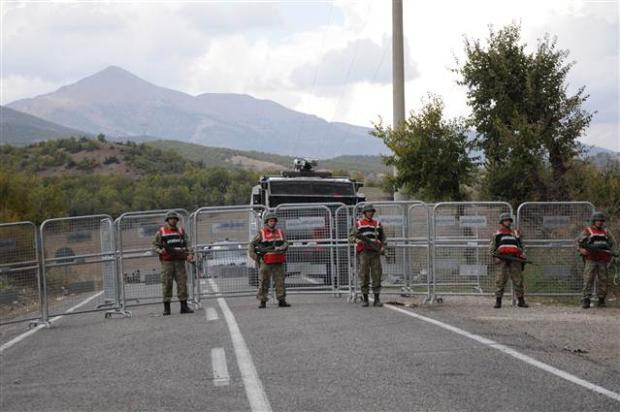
column 596, row 244
column 370, row 242
column 268, row 249
column 173, row 248
column 507, row 241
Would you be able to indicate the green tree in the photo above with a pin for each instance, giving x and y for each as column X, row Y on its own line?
column 429, row 153
column 521, row 108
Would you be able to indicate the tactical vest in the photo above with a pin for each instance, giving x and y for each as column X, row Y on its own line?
column 272, row 238
column 368, row 228
column 174, row 241
column 507, row 242
column 599, row 239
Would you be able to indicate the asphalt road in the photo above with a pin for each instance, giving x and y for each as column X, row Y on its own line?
column 322, row 354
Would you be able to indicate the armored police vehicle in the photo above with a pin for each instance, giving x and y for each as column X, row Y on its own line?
column 310, row 260
column 304, row 184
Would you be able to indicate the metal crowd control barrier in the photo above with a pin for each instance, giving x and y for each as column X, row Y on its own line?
column 462, row 264
column 138, row 266
column 310, row 260
column 76, row 256
column 220, row 237
column 20, row 277
column 549, row 231
column 406, row 266
column 344, row 250
column 419, row 238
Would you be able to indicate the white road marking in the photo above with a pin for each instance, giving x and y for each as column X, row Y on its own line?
column 509, row 351
column 220, row 369
column 253, row 386
column 32, row 331
column 211, row 314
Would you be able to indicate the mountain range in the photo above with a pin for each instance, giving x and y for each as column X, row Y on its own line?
column 121, row 105
column 21, row 128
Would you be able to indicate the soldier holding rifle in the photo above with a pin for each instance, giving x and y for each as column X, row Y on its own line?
column 369, row 239
column 172, row 246
column 507, row 249
column 596, row 244
column 268, row 249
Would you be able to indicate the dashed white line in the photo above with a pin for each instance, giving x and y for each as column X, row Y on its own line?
column 32, row 331
column 253, row 386
column 518, row 355
column 220, row 368
column 211, row 314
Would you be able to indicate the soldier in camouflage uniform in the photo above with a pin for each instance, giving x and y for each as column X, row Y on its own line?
column 268, row 249
column 507, row 241
column 173, row 248
column 370, row 242
column 596, row 245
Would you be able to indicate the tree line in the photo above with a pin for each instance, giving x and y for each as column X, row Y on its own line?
column 520, row 142
column 156, row 180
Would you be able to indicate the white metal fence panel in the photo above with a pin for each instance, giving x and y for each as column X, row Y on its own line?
column 462, row 232
column 549, row 231
column 138, row 264
column 75, row 257
column 20, row 283
column 310, row 259
column 221, row 236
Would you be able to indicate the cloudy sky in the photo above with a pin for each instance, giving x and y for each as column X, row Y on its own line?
column 329, row 58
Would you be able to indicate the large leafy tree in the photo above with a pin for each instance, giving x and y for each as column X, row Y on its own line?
column 429, row 153
column 524, row 116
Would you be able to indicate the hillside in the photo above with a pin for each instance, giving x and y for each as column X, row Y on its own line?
column 259, row 161
column 21, row 128
column 83, row 156
column 122, row 105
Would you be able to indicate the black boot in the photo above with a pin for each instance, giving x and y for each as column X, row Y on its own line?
column 263, row 304
column 585, row 303
column 282, row 303
column 166, row 309
column 498, row 303
column 601, row 303
column 365, row 300
column 377, row 302
column 522, row 303
column 185, row 308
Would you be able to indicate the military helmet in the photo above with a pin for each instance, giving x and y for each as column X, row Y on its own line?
column 172, row 215
column 597, row 216
column 368, row 207
column 505, row 216
column 269, row 215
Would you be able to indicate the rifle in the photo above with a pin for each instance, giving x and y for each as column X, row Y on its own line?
column 178, row 252
column 374, row 246
column 511, row 258
column 591, row 248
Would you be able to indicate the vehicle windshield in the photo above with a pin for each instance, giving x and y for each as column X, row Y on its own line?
column 313, row 188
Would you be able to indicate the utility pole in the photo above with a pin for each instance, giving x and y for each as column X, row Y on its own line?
column 398, row 73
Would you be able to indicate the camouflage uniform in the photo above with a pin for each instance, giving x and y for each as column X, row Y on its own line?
column 172, row 261
column 268, row 271
column 507, row 241
column 369, row 260
column 595, row 266
column 507, row 270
